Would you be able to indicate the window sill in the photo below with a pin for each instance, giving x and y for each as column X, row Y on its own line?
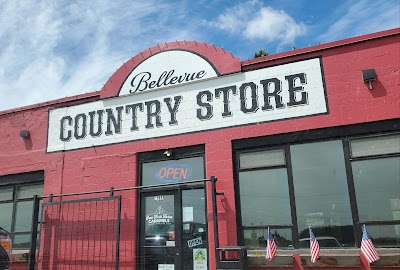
column 389, row 257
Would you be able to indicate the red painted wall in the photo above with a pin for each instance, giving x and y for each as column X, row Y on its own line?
column 349, row 101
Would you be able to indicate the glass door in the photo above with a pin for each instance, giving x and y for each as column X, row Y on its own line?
column 194, row 230
column 159, row 249
column 173, row 230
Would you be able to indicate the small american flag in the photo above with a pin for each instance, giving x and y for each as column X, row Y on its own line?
column 367, row 247
column 314, row 247
column 271, row 247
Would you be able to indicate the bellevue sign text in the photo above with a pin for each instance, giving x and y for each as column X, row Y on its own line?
column 268, row 94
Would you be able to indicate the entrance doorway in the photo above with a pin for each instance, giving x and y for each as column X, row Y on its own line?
column 173, row 224
column 173, row 231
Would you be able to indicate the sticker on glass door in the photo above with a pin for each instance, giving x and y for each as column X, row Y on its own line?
column 200, row 259
column 166, row 267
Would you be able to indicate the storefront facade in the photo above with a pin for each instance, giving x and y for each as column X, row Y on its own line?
column 303, row 139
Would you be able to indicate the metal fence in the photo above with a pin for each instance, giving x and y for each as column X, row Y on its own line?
column 76, row 233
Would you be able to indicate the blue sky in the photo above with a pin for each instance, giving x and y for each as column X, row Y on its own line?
column 53, row 49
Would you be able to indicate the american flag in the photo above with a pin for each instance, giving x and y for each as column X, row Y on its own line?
column 271, row 247
column 367, row 247
column 314, row 247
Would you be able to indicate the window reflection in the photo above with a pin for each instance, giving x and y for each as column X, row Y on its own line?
column 23, row 216
column 259, row 159
column 257, row 238
column 321, row 193
column 22, row 241
column 29, row 191
column 377, row 185
column 379, row 145
column 264, row 197
column 384, row 235
column 6, row 215
column 6, row 194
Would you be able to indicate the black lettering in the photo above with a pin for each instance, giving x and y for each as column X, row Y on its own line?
column 164, row 77
column 169, row 75
column 192, row 77
column 99, row 123
column 62, row 128
column 267, row 94
column 173, row 80
column 133, row 108
column 225, row 91
column 209, row 108
column 78, row 126
column 115, row 122
column 200, row 74
column 243, row 99
column 145, row 76
column 173, row 110
column 292, row 89
column 142, row 81
column 155, row 114
column 181, row 78
column 152, row 84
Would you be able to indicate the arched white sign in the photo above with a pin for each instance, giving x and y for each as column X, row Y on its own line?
column 167, row 69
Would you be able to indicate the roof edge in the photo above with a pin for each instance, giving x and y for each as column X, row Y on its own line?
column 320, row 47
column 90, row 95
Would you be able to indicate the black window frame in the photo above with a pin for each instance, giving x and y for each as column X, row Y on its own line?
column 343, row 133
column 288, row 166
column 15, row 181
column 369, row 157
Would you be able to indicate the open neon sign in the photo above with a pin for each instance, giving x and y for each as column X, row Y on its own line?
column 174, row 173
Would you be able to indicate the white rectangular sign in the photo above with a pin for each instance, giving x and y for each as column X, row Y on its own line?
column 166, row 267
column 195, row 242
column 187, row 214
column 263, row 95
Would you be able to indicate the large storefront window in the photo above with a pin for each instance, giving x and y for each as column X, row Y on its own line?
column 321, row 193
column 316, row 185
column 376, row 173
column 16, row 206
column 264, row 197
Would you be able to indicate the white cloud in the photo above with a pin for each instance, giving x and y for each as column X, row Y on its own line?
column 270, row 24
column 363, row 17
column 53, row 49
column 253, row 20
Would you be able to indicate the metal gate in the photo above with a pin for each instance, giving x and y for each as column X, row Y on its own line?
column 83, row 232
column 76, row 233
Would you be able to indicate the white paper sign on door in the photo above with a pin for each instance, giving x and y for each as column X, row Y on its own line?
column 187, row 214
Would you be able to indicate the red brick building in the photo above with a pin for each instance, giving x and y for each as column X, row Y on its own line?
column 297, row 140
